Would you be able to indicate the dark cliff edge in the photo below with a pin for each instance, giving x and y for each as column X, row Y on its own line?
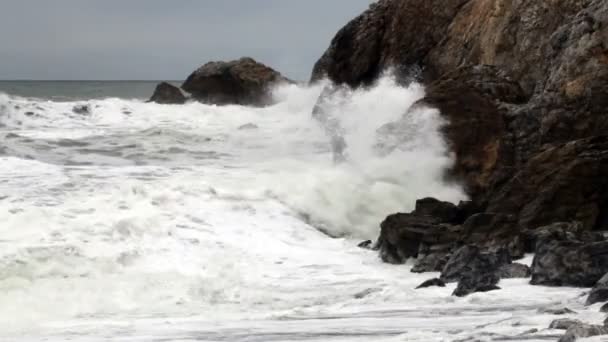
column 524, row 87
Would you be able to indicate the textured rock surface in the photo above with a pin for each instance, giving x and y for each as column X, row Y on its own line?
column 476, row 282
column 166, row 93
column 583, row 330
column 517, row 80
column 514, row 270
column 243, row 81
column 564, row 323
column 471, row 260
column 599, row 293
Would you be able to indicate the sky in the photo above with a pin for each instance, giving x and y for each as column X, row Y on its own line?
column 163, row 39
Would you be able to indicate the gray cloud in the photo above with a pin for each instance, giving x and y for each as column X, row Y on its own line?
column 154, row 39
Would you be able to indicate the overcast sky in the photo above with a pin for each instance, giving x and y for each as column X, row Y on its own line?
column 163, row 39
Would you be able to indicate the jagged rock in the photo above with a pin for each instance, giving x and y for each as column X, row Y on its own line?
column 564, row 182
column 476, row 282
column 514, row 270
column 494, row 231
column 431, row 282
column 432, row 258
column 564, row 323
column 244, row 82
column 599, row 293
column 568, row 261
column 470, row 260
column 166, row 93
column 583, row 330
column 84, row 109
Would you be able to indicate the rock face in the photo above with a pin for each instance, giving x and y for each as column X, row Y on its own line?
column 243, row 82
column 523, row 84
column 166, row 93
column 600, row 291
column 569, row 260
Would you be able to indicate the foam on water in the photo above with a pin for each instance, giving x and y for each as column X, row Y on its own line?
column 148, row 222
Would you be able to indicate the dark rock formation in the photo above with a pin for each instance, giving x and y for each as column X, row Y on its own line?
column 564, row 323
column 433, row 258
column 583, row 330
column 243, row 82
column 569, row 261
column 514, row 270
column 476, row 282
column 166, row 93
column 471, row 260
column 604, row 308
column 432, row 282
column 83, row 109
column 517, row 81
column 600, row 291
column 367, row 244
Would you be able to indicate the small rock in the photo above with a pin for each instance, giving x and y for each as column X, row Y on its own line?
column 558, row 311
column 564, row 323
column 604, row 308
column 29, row 114
column 432, row 282
column 514, row 270
column 365, row 244
column 82, row 109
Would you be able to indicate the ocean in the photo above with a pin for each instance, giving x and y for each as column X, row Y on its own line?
column 133, row 221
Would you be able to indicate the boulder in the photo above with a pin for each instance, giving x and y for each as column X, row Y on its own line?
column 476, row 282
column 599, row 293
column 243, row 82
column 472, row 261
column 433, row 258
column 564, row 323
column 431, row 282
column 166, row 93
column 514, row 270
column 569, row 262
column 494, row 231
column 583, row 330
column 604, row 308
column 82, row 109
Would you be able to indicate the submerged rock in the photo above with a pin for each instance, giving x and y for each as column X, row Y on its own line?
column 248, row 126
column 564, row 323
column 599, row 293
column 244, row 82
column 583, row 330
column 166, row 93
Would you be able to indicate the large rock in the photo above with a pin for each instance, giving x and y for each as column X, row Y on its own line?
column 511, row 76
column 600, row 291
column 243, row 82
column 476, row 282
column 569, row 261
column 166, row 93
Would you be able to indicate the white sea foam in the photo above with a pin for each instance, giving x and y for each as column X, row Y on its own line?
column 148, row 222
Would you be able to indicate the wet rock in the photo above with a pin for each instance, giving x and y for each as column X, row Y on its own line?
column 166, row 93
column 583, row 330
column 476, row 282
column 82, row 109
column 564, row 323
column 494, row 231
column 248, row 126
column 432, row 258
column 365, row 244
column 604, row 308
column 446, row 212
column 569, row 261
column 473, row 262
column 431, row 282
column 599, row 293
column 244, row 82
column 514, row 270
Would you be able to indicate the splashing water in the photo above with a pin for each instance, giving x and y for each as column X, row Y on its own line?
column 197, row 222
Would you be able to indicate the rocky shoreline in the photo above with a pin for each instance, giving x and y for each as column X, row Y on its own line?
column 523, row 86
